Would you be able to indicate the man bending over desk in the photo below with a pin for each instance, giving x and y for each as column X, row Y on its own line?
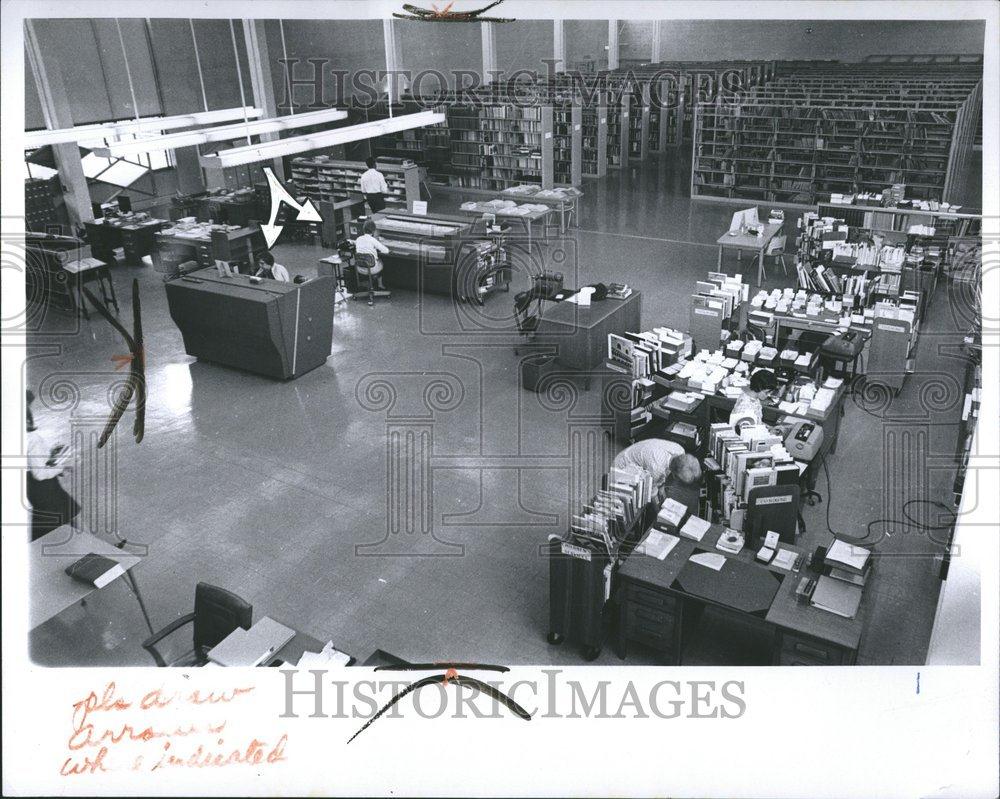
column 673, row 470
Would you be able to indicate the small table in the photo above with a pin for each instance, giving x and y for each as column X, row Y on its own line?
column 566, row 207
column 527, row 220
column 90, row 270
column 333, row 266
column 52, row 590
column 750, row 243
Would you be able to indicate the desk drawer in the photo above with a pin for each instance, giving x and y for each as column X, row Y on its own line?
column 652, row 599
column 640, row 616
column 797, row 650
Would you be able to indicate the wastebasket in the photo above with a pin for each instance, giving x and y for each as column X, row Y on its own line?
column 534, row 369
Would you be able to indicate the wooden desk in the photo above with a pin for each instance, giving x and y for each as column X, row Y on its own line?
column 750, row 243
column 655, row 610
column 135, row 238
column 51, row 590
column 580, row 333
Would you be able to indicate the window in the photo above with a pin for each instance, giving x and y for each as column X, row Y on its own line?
column 125, row 171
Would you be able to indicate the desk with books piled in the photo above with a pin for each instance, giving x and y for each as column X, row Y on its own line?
column 886, row 328
column 188, row 240
column 440, row 254
column 815, row 610
column 835, row 257
column 583, row 561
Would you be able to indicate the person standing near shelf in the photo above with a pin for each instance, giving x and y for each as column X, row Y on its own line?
column 373, row 186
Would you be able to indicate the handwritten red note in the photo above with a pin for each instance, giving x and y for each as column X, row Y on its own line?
column 162, row 729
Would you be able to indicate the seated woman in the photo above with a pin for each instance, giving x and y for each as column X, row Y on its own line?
column 368, row 244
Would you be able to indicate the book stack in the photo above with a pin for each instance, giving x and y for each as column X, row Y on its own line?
column 614, row 510
column 643, row 354
column 839, row 590
column 753, row 458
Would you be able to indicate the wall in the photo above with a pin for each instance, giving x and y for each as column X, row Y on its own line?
column 635, row 40
column 444, row 47
column 586, row 42
column 788, row 39
column 349, row 45
column 524, row 44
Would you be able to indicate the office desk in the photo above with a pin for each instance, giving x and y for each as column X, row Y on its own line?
column 658, row 609
column 51, row 590
column 135, row 238
column 580, row 333
column 746, row 242
column 280, row 330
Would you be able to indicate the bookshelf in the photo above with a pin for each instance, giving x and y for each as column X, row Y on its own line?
column 327, row 179
column 638, row 122
column 567, row 144
column 39, row 204
column 496, row 146
column 594, row 139
column 799, row 138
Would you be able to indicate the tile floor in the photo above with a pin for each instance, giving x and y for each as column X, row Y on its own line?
column 268, row 488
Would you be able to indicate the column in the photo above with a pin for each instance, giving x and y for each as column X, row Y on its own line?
column 489, row 51
column 655, row 56
column 559, row 44
column 261, row 82
column 612, row 44
column 393, row 60
column 44, row 62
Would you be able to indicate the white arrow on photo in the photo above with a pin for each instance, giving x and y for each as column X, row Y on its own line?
column 279, row 194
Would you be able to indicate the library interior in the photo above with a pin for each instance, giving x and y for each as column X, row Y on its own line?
column 380, row 341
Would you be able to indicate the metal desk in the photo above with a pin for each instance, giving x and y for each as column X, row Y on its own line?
column 580, row 333
column 655, row 610
column 746, row 242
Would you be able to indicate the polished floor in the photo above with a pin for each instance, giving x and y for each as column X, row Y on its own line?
column 398, row 497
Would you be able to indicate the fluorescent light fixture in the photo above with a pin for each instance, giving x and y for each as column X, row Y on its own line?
column 111, row 130
column 265, row 151
column 171, row 141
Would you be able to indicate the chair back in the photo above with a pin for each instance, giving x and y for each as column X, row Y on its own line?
column 364, row 262
column 776, row 246
column 772, row 508
column 217, row 612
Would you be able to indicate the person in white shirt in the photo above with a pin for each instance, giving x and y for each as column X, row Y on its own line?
column 51, row 505
column 368, row 244
column 748, row 408
column 373, row 186
column 266, row 267
column 665, row 460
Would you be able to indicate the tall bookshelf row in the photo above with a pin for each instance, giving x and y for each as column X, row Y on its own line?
column 800, row 138
column 324, row 179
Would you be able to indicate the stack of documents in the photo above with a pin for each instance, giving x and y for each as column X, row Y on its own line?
column 695, row 528
column 657, row 545
column 327, row 657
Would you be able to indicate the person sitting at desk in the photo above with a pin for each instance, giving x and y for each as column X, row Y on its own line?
column 368, row 244
column 373, row 186
column 665, row 460
column 748, row 408
column 266, row 267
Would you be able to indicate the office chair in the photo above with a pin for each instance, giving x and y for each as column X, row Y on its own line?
column 217, row 612
column 772, row 508
column 525, row 321
column 366, row 261
column 776, row 250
